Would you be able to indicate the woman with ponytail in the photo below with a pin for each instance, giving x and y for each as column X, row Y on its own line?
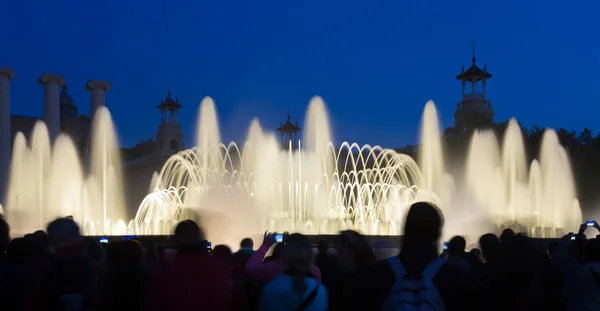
column 296, row 289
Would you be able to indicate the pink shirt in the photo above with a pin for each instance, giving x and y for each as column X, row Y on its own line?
column 267, row 272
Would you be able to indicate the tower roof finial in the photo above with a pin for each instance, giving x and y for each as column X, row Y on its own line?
column 289, row 114
column 474, row 59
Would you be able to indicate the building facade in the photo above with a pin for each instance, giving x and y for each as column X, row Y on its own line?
column 474, row 108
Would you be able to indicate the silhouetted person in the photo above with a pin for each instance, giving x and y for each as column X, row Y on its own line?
column 581, row 277
column 126, row 278
column 246, row 250
column 507, row 235
column 194, row 280
column 422, row 231
column 11, row 277
column 296, row 288
column 326, row 264
column 515, row 282
column 490, row 247
column 267, row 271
column 222, row 252
column 355, row 257
column 66, row 279
column 458, row 256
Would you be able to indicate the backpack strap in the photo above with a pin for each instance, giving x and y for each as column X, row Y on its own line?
column 432, row 268
column 397, row 267
column 309, row 299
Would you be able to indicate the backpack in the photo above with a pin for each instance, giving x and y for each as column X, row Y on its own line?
column 411, row 293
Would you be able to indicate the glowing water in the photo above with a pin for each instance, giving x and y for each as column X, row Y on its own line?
column 49, row 182
column 321, row 189
column 318, row 188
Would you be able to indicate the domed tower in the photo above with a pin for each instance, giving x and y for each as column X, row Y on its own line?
column 474, row 108
column 289, row 133
column 170, row 134
column 68, row 110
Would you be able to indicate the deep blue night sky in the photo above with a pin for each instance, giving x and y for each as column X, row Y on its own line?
column 375, row 63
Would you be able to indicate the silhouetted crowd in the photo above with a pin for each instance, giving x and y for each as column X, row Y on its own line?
column 59, row 269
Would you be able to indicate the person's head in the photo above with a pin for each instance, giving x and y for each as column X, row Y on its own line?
column 506, row 235
column 354, row 250
column 187, row 232
column 457, row 245
column 4, row 235
column 41, row 242
column 592, row 250
column 489, row 244
column 63, row 232
column 323, row 247
column 222, row 252
column 423, row 225
column 247, row 243
column 297, row 258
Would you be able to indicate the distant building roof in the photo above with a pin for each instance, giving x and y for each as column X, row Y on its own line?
column 169, row 104
column 289, row 127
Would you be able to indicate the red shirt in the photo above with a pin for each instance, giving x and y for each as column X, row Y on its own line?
column 194, row 281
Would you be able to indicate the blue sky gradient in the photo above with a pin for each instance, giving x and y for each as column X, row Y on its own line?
column 375, row 63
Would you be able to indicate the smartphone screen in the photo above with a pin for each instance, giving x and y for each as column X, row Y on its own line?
column 104, row 240
column 573, row 238
column 208, row 245
column 445, row 246
column 590, row 223
column 279, row 238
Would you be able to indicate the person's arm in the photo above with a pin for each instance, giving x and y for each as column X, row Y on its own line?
column 255, row 268
column 317, row 273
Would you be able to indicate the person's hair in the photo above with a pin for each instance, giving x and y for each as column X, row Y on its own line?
column 63, row 232
column 457, row 245
column 41, row 242
column 297, row 258
column 247, row 243
column 222, row 252
column 489, row 244
column 187, row 232
column 4, row 234
column 423, row 224
column 506, row 235
column 360, row 250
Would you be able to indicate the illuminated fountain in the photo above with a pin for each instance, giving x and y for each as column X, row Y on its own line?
column 321, row 189
column 318, row 188
column 49, row 182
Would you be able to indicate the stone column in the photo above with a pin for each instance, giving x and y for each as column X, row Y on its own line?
column 6, row 75
column 98, row 90
column 52, row 84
